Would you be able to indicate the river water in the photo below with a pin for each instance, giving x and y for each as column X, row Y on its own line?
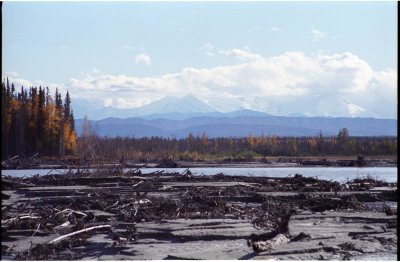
column 340, row 174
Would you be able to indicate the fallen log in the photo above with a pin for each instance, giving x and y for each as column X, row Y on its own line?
column 34, row 156
column 70, row 211
column 64, row 228
column 12, row 158
column 138, row 183
column 10, row 220
column 271, row 244
column 355, row 234
column 301, row 237
column 78, row 232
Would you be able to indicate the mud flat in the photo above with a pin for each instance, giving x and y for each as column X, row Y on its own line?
column 96, row 215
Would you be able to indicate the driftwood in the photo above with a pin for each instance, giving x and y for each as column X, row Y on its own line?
column 138, row 183
column 34, row 155
column 64, row 228
column 240, row 211
column 70, row 211
column 78, row 232
column 146, row 163
column 185, row 172
column 8, row 221
column 271, row 244
column 101, row 201
column 12, row 158
column 37, row 229
column 301, row 237
column 5, row 162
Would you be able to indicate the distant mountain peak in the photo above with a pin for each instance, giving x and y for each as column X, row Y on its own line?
column 170, row 104
column 190, row 105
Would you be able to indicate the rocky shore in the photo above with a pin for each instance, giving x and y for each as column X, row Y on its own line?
column 95, row 215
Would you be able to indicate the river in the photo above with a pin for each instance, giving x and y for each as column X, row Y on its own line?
column 340, row 174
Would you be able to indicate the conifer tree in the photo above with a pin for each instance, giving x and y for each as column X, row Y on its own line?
column 34, row 122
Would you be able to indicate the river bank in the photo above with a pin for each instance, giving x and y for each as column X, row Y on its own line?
column 181, row 216
column 18, row 162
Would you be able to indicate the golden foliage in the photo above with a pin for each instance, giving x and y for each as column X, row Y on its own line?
column 250, row 139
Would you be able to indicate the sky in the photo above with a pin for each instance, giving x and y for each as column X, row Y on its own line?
column 306, row 58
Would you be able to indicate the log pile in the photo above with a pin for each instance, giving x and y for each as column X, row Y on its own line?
column 66, row 210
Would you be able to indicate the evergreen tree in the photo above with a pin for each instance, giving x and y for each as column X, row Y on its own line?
column 34, row 122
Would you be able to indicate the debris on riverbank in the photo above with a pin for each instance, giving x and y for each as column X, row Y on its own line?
column 111, row 215
column 35, row 162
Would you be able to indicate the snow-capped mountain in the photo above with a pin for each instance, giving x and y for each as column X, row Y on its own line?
column 293, row 106
column 186, row 106
column 177, row 117
column 170, row 104
column 190, row 106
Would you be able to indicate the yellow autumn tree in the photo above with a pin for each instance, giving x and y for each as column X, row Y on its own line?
column 312, row 142
column 69, row 139
column 33, row 123
column 72, row 142
column 250, row 140
column 204, row 140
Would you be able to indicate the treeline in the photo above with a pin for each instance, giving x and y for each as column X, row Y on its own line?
column 34, row 122
column 204, row 148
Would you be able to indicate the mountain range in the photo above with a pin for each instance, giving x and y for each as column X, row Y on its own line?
column 192, row 106
column 168, row 107
column 177, row 117
column 242, row 125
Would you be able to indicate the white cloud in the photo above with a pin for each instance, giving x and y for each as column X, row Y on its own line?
column 11, row 74
column 143, row 58
column 241, row 54
column 338, row 84
column 355, row 73
column 107, row 102
column 274, row 28
column 21, row 82
column 317, row 35
column 14, row 77
column 323, row 84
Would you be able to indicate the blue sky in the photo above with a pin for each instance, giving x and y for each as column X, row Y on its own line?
column 127, row 54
